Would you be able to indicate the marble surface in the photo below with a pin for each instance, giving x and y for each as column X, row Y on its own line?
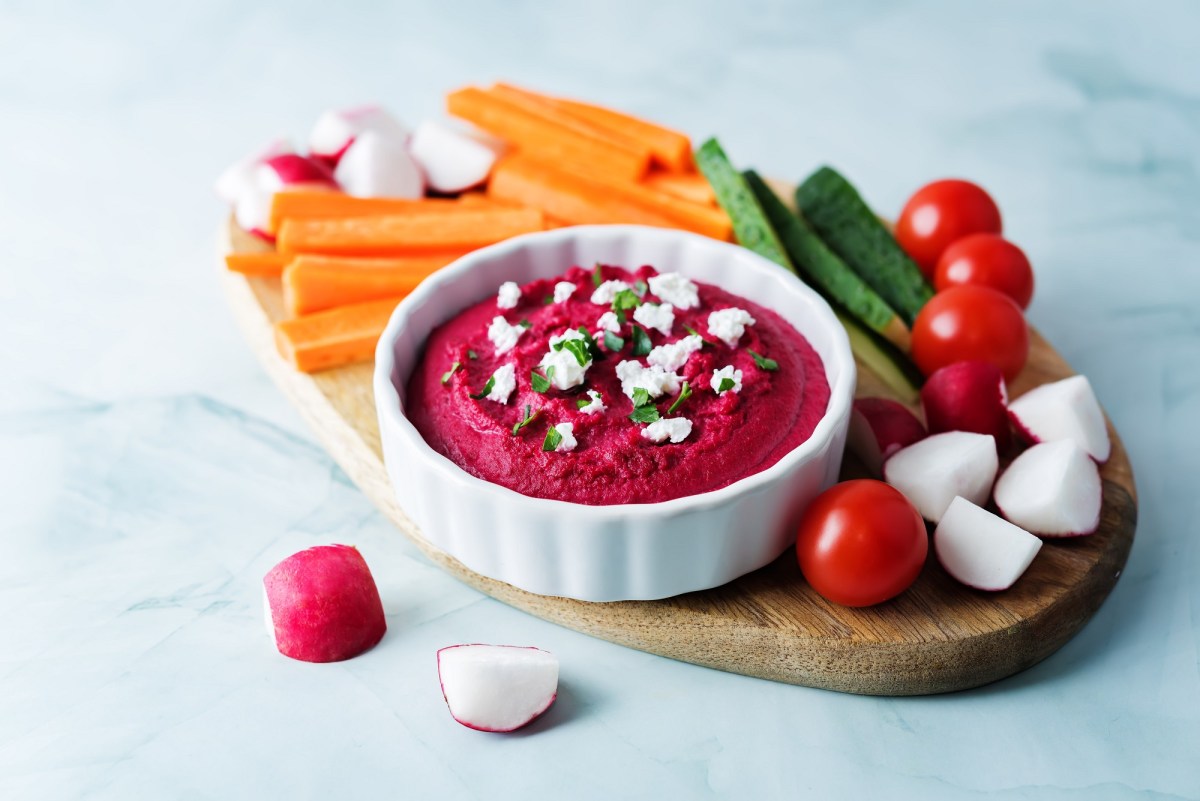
column 151, row 474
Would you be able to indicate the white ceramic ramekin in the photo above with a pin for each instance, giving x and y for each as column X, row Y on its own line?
column 621, row 552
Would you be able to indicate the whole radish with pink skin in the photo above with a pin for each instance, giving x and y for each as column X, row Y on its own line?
column 878, row 428
column 497, row 688
column 337, row 129
column 968, row 396
column 287, row 170
column 322, row 605
column 239, row 177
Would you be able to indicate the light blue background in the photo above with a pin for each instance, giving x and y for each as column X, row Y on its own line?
column 151, row 474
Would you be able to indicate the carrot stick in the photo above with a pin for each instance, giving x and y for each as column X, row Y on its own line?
column 686, row 185
column 335, row 337
column 580, row 201
column 267, row 262
column 540, row 128
column 457, row 230
column 670, row 149
column 308, row 205
column 315, row 283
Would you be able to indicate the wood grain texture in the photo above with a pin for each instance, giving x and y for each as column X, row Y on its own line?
column 939, row 636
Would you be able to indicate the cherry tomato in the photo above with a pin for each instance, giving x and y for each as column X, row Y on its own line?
column 939, row 214
column 986, row 260
column 861, row 542
column 967, row 323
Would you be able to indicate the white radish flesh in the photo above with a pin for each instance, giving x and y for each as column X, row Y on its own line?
column 1052, row 489
column 253, row 208
column 932, row 472
column 378, row 166
column 497, row 688
column 336, row 130
column 1065, row 409
column 452, row 161
column 980, row 549
column 238, row 177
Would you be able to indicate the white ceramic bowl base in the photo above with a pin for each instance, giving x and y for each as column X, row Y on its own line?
column 608, row 553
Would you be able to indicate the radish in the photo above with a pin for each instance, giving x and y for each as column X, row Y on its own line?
column 1065, row 409
column 967, row 396
column 376, row 165
column 878, row 428
column 497, row 687
column 980, row 549
column 322, row 605
column 453, row 161
column 932, row 472
column 336, row 130
column 1052, row 489
column 239, row 177
column 253, row 208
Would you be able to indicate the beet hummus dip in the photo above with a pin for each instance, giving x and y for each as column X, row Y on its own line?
column 512, row 392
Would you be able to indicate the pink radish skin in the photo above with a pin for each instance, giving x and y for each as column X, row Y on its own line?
column 376, row 166
column 240, row 176
column 968, row 396
column 322, row 605
column 336, row 130
column 1066, row 409
column 497, row 688
column 453, row 161
column 980, row 549
column 878, row 428
column 253, row 208
column 933, row 471
column 1052, row 490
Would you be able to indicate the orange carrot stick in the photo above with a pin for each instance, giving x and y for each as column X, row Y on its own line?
column 266, row 262
column 335, row 337
column 454, row 231
column 309, row 205
column 315, row 283
column 540, row 128
column 686, row 185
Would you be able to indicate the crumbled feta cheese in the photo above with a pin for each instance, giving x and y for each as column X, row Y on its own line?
column 568, row 441
column 597, row 404
column 563, row 290
column 504, row 381
column 674, row 355
column 508, row 295
column 569, row 333
column 604, row 293
column 728, row 325
column 675, row 429
column 503, row 335
column 568, row 372
column 653, row 379
column 675, row 289
column 609, row 322
column 726, row 372
column 657, row 316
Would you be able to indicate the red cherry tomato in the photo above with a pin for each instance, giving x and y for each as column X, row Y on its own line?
column 986, row 260
column 969, row 323
column 939, row 214
column 861, row 542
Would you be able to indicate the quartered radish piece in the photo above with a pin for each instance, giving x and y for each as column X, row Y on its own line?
column 322, row 605
column 253, row 208
column 376, row 165
column 240, row 176
column 1052, row 489
column 980, row 549
column 932, row 472
column 1065, row 409
column 878, row 428
column 337, row 128
column 967, row 396
column 452, row 160
column 497, row 687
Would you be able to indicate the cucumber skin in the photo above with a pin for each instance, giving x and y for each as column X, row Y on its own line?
column 750, row 224
column 817, row 263
column 838, row 213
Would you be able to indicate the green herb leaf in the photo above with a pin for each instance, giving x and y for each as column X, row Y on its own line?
column 579, row 349
column 483, row 393
column 696, row 333
column 685, row 392
column 472, row 354
column 613, row 342
column 529, row 418
column 597, row 275
column 546, row 301
column 525, row 323
column 641, row 341
column 552, row 440
column 592, row 346
column 625, row 299
column 581, row 402
column 540, row 383
column 621, row 317
column 641, row 397
column 640, row 288
column 726, row 385
column 645, row 414
column 453, row 369
column 763, row 362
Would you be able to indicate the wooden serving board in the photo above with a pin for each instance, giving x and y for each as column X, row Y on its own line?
column 938, row 636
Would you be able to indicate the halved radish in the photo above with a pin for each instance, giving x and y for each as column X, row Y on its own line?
column 932, row 472
column 239, row 177
column 497, row 687
column 379, row 166
column 336, row 129
column 322, row 605
column 253, row 208
column 453, row 161
column 980, row 549
column 967, row 396
column 878, row 428
column 1052, row 489
column 1065, row 409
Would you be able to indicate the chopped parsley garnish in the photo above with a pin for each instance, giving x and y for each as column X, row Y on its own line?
column 640, row 288
column 529, row 418
column 645, row 414
column 641, row 341
column 613, row 342
column 726, row 385
column 472, row 354
column 581, row 402
column 487, row 388
column 453, row 369
column 696, row 333
column 625, row 299
column 763, row 362
column 546, row 301
column 685, row 392
column 641, row 397
column 592, row 346
column 540, row 382
column 552, row 440
column 577, row 348
column 525, row 323
column 597, row 275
